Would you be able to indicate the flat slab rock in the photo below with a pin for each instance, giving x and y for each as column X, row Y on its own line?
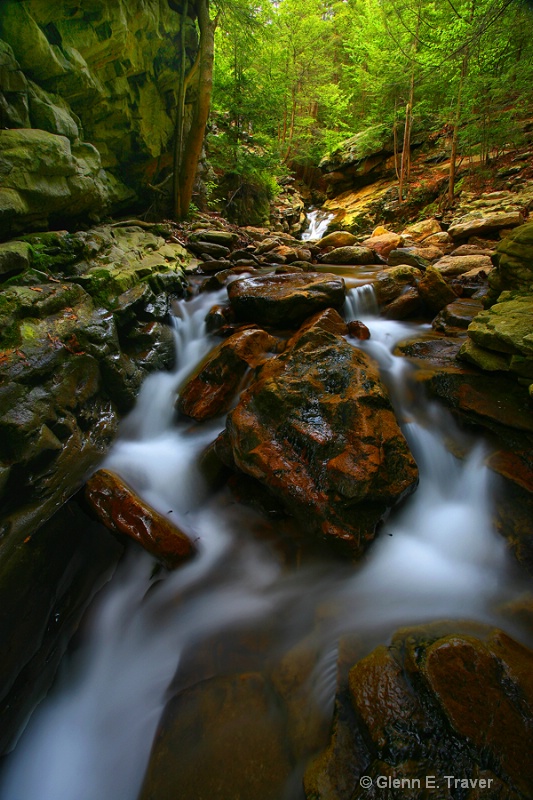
column 286, row 300
column 317, row 429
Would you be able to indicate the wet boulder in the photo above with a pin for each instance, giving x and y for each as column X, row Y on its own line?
column 434, row 292
column 122, row 511
column 353, row 255
column 384, row 243
column 285, row 300
column 480, row 223
column 337, row 239
column 211, row 390
column 435, row 703
column 317, row 429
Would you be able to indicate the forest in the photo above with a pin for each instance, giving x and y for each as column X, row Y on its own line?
column 293, row 79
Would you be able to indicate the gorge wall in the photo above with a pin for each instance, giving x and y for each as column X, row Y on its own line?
column 87, row 99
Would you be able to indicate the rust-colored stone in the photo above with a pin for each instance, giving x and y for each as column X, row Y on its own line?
column 211, row 390
column 316, row 427
column 384, row 243
column 121, row 510
column 358, row 330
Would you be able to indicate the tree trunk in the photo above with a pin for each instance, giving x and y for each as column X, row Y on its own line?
column 180, row 118
column 455, row 133
column 191, row 149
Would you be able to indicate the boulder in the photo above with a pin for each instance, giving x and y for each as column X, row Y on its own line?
column 479, row 223
column 471, row 250
column 457, row 314
column 316, row 428
column 450, row 266
column 212, row 249
column 434, row 292
column 421, row 230
column 507, row 328
column 352, row 254
column 15, row 257
column 285, row 300
column 441, row 240
column 390, row 283
column 214, row 236
column 121, row 510
column 407, row 304
column 514, row 260
column 337, row 239
column 384, row 243
column 417, row 257
column 439, row 703
column 211, row 390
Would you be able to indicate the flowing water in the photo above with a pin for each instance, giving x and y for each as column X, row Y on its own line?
column 438, row 557
column 318, row 225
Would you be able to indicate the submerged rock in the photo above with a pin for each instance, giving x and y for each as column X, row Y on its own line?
column 121, row 510
column 317, row 429
column 434, row 703
column 285, row 300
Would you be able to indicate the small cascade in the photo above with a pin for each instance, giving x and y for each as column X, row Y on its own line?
column 361, row 303
column 318, row 225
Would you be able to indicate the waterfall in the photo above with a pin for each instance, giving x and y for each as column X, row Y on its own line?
column 318, row 225
column 438, row 557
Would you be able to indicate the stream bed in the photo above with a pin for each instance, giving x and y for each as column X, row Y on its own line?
column 242, row 604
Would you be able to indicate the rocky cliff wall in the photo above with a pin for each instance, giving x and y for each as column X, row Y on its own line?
column 87, row 98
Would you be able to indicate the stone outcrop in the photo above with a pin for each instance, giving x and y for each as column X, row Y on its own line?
column 317, row 429
column 501, row 338
column 87, row 96
column 82, row 326
column 432, row 699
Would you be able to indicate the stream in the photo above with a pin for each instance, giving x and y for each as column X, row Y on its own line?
column 436, row 557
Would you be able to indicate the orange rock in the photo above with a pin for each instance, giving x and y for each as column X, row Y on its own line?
column 121, row 510
column 384, row 244
column 358, row 330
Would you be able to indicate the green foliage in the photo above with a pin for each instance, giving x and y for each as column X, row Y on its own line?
column 294, row 78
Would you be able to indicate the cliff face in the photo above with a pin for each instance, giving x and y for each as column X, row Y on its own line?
column 87, row 99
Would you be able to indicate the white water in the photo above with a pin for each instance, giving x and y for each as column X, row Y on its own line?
column 318, row 225
column 437, row 558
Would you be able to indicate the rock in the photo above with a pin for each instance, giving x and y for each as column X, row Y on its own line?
column 222, row 738
column 217, row 251
column 457, row 314
column 472, row 250
column 352, row 254
column 217, row 317
column 384, row 243
column 443, row 241
column 337, row 239
column 226, row 238
column 421, row 230
column 472, row 283
column 407, row 304
column 434, row 292
column 514, row 260
column 15, row 257
column 316, row 427
column 390, row 283
column 211, row 390
column 450, row 266
column 285, row 300
column 43, row 176
column 358, row 330
column 411, row 256
column 436, row 702
column 114, row 70
column 506, row 328
column 217, row 265
column 121, row 510
column 479, row 223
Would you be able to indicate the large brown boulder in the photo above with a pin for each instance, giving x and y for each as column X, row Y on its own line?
column 354, row 254
column 210, row 391
column 285, row 300
column 479, row 223
column 434, row 291
column 121, row 510
column 436, row 705
column 317, row 429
